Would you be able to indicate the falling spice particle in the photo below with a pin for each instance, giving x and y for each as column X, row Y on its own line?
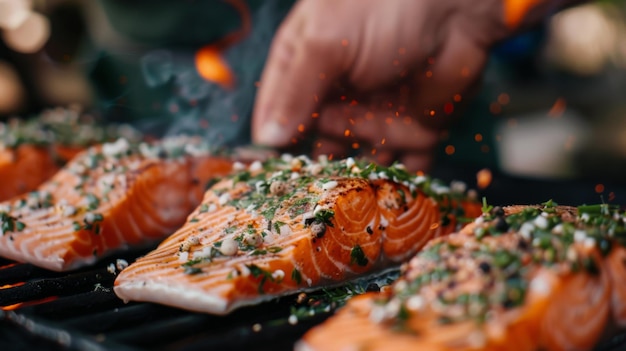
column 457, row 98
column 301, row 128
column 483, row 178
column 402, row 51
column 383, row 141
column 611, row 196
column 355, row 145
column 315, row 115
column 450, row 150
column 599, row 188
column 429, row 74
column 478, row 137
column 557, row 108
column 448, row 108
column 344, row 42
column 504, row 99
column 495, row 108
column 346, row 133
column 432, row 113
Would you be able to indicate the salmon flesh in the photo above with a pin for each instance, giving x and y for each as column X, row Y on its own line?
column 108, row 198
column 291, row 224
column 521, row 278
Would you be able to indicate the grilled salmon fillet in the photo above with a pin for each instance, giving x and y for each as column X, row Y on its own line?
column 526, row 278
column 107, row 198
column 290, row 224
column 32, row 151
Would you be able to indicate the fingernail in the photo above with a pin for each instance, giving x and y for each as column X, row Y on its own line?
column 271, row 133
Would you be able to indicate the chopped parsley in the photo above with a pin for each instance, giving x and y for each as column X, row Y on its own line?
column 358, row 256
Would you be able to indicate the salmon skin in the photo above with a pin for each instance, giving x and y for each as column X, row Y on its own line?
column 521, row 278
column 288, row 225
column 107, row 198
column 32, row 151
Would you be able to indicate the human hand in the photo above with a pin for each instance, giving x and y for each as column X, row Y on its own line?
column 376, row 76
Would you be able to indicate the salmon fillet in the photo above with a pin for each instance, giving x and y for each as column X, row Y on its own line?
column 32, row 151
column 107, row 198
column 291, row 224
column 522, row 278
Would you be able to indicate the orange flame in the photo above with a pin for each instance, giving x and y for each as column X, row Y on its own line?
column 210, row 63
column 29, row 303
column 8, row 286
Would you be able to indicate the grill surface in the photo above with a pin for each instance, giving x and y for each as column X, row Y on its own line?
column 79, row 310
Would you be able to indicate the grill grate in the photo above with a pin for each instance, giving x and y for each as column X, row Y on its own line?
column 80, row 311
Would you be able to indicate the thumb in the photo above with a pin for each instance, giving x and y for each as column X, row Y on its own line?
column 299, row 70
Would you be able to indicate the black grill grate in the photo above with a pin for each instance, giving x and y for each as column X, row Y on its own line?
column 80, row 311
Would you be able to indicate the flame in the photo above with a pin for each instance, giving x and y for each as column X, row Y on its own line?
column 212, row 67
column 8, row 286
column 209, row 60
column 516, row 10
column 29, row 303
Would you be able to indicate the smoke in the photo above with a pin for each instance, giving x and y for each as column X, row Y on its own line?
column 204, row 108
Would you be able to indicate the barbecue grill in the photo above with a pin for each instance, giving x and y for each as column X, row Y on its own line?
column 78, row 310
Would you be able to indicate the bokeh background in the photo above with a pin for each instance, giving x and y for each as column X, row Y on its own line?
column 552, row 105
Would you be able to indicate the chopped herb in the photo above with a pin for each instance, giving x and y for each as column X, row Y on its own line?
column 204, row 208
column 10, row 223
column 324, row 216
column 191, row 270
column 194, row 220
column 92, row 201
column 241, row 177
column 277, row 225
column 486, row 209
column 256, row 272
column 211, row 182
column 274, row 249
column 296, row 276
column 358, row 256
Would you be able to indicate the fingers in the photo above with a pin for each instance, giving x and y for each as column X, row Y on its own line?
column 299, row 69
column 450, row 78
column 376, row 127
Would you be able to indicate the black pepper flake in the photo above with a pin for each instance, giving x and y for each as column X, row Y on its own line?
column 369, row 230
column 590, row 266
column 497, row 211
column 501, row 225
column 372, row 287
column 485, row 267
